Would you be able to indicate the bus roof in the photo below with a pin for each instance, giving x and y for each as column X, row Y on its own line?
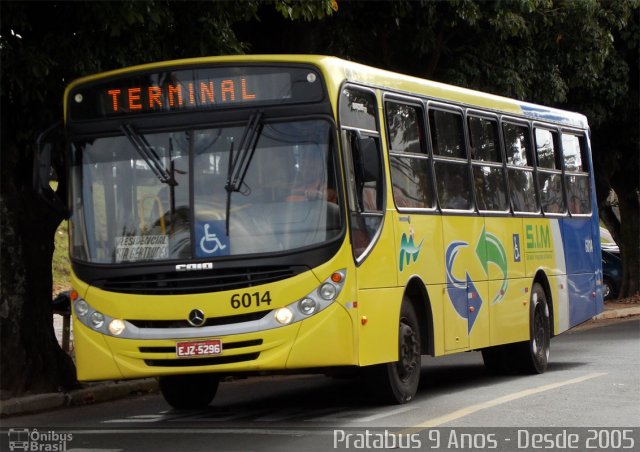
column 337, row 71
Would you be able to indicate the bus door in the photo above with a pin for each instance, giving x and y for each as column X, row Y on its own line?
column 372, row 237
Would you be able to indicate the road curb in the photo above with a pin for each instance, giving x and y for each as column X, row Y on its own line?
column 618, row 313
column 84, row 396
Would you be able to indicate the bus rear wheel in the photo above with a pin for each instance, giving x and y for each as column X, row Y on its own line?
column 533, row 355
column 397, row 382
column 529, row 357
column 189, row 391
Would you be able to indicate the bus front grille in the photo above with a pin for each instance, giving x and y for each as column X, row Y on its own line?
column 190, row 362
column 203, row 281
column 209, row 321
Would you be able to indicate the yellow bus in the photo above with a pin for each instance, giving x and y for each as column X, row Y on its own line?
column 244, row 215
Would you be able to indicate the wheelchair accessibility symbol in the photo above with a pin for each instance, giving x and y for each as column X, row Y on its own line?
column 211, row 239
column 516, row 247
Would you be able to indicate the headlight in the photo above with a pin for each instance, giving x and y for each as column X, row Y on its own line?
column 315, row 301
column 327, row 291
column 284, row 316
column 97, row 319
column 81, row 308
column 307, row 306
column 116, row 327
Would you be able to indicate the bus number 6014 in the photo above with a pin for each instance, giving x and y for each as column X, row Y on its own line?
column 246, row 300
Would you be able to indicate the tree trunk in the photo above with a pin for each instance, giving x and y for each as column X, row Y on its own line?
column 31, row 358
column 617, row 167
column 630, row 239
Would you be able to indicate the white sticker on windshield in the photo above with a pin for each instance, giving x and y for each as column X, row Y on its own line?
column 142, row 248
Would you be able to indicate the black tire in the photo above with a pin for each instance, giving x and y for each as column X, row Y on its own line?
column 609, row 291
column 189, row 391
column 397, row 382
column 532, row 356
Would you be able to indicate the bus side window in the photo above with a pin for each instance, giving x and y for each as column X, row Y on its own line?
column 549, row 171
column 576, row 176
column 408, row 156
column 488, row 173
column 367, row 169
column 453, row 183
column 520, row 167
column 364, row 169
column 363, row 165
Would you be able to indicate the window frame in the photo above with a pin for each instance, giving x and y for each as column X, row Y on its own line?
column 529, row 168
column 480, row 114
column 558, row 160
column 347, row 169
column 457, row 110
column 586, row 164
column 424, row 145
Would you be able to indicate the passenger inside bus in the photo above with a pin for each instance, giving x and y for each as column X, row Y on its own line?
column 310, row 182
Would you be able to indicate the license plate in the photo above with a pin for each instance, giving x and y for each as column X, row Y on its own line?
column 198, row 348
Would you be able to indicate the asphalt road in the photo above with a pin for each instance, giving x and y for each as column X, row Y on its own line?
column 591, row 390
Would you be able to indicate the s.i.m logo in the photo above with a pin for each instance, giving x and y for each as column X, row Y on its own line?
column 538, row 243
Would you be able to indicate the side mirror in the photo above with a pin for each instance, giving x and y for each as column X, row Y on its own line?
column 367, row 157
column 49, row 147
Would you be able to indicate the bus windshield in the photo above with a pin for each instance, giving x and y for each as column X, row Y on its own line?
column 167, row 195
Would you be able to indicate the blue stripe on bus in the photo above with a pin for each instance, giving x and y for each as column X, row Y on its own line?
column 581, row 260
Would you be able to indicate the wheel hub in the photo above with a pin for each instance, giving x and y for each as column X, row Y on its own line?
column 409, row 352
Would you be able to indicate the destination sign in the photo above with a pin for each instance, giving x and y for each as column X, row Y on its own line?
column 194, row 89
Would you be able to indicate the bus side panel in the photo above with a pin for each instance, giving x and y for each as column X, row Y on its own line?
column 540, row 247
column 505, row 252
column 578, row 245
column 510, row 316
column 379, row 311
column 582, row 298
column 466, row 313
column 558, row 281
column 324, row 339
column 419, row 248
column 577, row 237
column 479, row 334
column 560, row 297
column 378, row 269
column 93, row 355
column 419, row 254
column 437, row 299
column 505, row 263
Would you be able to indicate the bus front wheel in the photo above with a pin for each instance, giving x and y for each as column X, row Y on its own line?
column 397, row 382
column 189, row 391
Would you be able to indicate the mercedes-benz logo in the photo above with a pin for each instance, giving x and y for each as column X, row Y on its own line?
column 196, row 317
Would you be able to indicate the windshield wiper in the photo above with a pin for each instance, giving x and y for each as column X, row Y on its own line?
column 239, row 164
column 149, row 155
